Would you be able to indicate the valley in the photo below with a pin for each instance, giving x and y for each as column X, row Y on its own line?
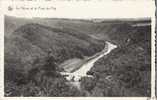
column 41, row 53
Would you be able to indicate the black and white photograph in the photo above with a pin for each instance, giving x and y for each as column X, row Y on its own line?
column 66, row 57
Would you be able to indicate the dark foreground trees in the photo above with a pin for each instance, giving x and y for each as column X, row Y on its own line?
column 43, row 80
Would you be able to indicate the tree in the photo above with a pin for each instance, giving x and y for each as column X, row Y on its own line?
column 50, row 63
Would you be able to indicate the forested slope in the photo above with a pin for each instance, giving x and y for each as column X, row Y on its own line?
column 124, row 72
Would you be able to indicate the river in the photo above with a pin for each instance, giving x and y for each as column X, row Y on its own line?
column 88, row 64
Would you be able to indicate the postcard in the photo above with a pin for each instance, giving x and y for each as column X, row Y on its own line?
column 72, row 49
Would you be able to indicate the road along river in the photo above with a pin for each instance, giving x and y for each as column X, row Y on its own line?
column 86, row 64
